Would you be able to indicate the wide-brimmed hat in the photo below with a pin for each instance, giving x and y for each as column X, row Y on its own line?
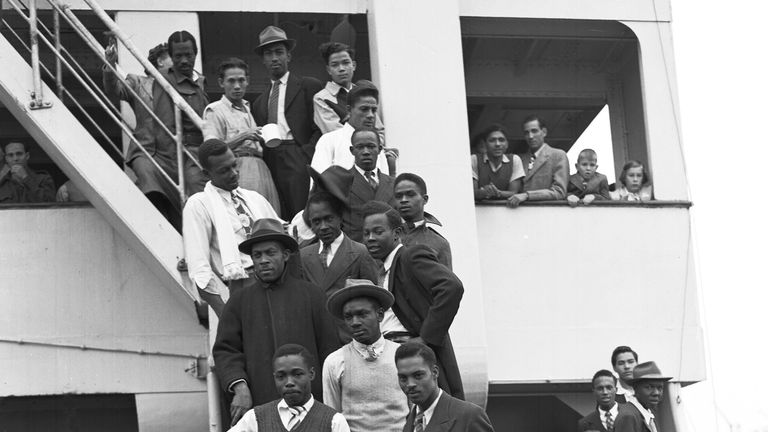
column 354, row 288
column 648, row 371
column 267, row 230
column 335, row 180
column 271, row 35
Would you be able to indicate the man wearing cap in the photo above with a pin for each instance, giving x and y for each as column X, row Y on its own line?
column 358, row 185
column 273, row 308
column 335, row 257
column 360, row 378
column 333, row 147
column 427, row 293
column 287, row 103
column 640, row 413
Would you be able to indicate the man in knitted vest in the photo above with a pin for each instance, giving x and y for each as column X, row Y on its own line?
column 360, row 378
column 297, row 411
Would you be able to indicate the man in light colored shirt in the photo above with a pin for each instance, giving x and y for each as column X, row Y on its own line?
column 623, row 361
column 546, row 168
column 333, row 147
column 293, row 369
column 360, row 378
column 221, row 205
column 418, row 372
column 604, row 417
column 640, row 413
column 427, row 293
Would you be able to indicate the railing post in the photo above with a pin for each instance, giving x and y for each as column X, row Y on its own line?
column 57, row 36
column 37, row 85
column 180, row 153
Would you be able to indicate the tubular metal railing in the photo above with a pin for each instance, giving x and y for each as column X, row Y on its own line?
column 65, row 60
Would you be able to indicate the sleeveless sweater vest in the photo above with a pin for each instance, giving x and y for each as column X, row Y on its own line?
column 318, row 419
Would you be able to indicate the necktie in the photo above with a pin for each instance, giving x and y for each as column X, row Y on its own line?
column 371, row 353
column 410, row 225
column 608, row 421
column 324, row 255
column 341, row 97
column 294, row 421
column 418, row 422
column 533, row 159
column 371, row 180
column 274, row 96
column 382, row 276
column 652, row 425
column 245, row 218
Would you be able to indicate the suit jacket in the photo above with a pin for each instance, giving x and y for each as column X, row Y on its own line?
column 427, row 297
column 299, row 110
column 592, row 422
column 597, row 186
column 631, row 420
column 453, row 415
column 360, row 192
column 548, row 178
column 351, row 261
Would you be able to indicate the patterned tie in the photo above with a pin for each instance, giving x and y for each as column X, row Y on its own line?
column 418, row 422
column 245, row 218
column 371, row 353
column 652, row 425
column 608, row 421
column 371, row 180
column 530, row 164
column 274, row 96
column 324, row 255
column 295, row 420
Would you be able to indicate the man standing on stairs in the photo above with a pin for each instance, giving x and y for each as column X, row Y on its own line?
column 216, row 221
column 287, row 103
column 182, row 47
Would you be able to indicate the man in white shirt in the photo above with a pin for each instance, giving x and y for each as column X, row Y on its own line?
column 640, row 413
column 417, row 372
column 216, row 221
column 623, row 361
column 360, row 378
column 297, row 411
column 333, row 147
column 604, row 417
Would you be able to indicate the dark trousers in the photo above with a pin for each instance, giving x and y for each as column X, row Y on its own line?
column 288, row 165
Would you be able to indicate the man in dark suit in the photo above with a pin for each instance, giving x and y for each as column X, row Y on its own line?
column 427, row 293
column 604, row 417
column 336, row 258
column 546, row 168
column 640, row 413
column 288, row 104
column 360, row 184
column 434, row 410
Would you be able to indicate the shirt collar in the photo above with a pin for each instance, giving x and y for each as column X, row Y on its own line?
column 283, row 79
column 647, row 414
column 179, row 77
column 335, row 243
column 614, row 411
column 227, row 195
column 374, row 171
column 538, row 152
column 504, row 158
column 246, row 105
column 333, row 88
column 378, row 346
column 391, row 257
column 431, row 410
column 283, row 405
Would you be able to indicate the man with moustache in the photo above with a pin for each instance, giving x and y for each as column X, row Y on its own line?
column 273, row 308
column 293, row 368
column 360, row 378
column 288, row 103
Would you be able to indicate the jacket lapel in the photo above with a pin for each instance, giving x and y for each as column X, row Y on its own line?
column 441, row 420
column 291, row 90
column 314, row 266
column 360, row 188
column 386, row 188
column 540, row 160
column 342, row 259
column 392, row 268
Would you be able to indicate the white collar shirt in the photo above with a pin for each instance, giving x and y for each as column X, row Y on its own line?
column 335, row 244
column 390, row 323
column 223, row 120
column 504, row 160
column 282, row 123
column 648, row 416
column 362, row 349
column 375, row 173
column 248, row 422
column 431, row 410
column 614, row 412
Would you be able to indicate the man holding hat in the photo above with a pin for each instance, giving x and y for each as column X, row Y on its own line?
column 360, row 378
column 271, row 310
column 288, row 103
column 639, row 415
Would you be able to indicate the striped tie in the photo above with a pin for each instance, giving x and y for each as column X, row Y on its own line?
column 296, row 411
column 418, row 422
column 608, row 421
column 274, row 97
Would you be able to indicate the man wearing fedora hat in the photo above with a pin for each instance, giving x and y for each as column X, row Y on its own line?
column 360, row 378
column 640, row 413
column 287, row 103
column 272, row 309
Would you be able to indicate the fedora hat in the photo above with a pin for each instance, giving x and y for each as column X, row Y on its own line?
column 648, row 371
column 267, row 230
column 335, row 180
column 354, row 288
column 271, row 35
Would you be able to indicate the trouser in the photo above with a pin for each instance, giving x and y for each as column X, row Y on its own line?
column 288, row 165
